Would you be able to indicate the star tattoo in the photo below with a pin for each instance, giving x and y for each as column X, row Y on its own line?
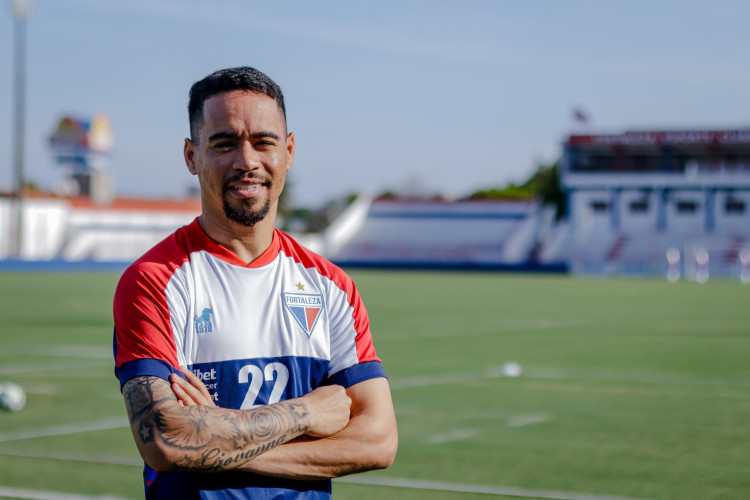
column 145, row 432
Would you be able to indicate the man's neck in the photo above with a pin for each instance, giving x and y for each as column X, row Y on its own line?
column 248, row 243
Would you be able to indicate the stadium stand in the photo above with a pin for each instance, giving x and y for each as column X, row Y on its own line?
column 76, row 229
column 632, row 199
column 636, row 195
column 438, row 234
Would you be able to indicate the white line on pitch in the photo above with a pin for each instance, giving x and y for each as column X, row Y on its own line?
column 476, row 415
column 453, row 378
column 474, row 488
column 600, row 377
column 61, row 430
column 49, row 495
column 64, row 351
column 74, row 457
column 455, row 435
column 410, row 382
column 48, row 367
column 524, row 420
column 498, row 329
column 556, row 374
column 45, row 389
column 363, row 479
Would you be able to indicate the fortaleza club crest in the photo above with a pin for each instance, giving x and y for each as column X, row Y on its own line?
column 305, row 308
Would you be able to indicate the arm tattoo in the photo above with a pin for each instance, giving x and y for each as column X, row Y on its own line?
column 208, row 438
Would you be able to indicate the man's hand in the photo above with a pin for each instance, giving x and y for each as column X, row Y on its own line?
column 329, row 406
column 190, row 392
column 330, row 409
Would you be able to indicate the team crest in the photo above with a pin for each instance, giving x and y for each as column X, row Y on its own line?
column 305, row 308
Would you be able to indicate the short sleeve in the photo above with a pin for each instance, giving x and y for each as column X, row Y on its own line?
column 143, row 343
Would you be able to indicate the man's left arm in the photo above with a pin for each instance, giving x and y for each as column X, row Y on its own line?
column 368, row 442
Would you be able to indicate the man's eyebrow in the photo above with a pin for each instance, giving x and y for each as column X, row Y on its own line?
column 222, row 135
column 259, row 135
column 234, row 135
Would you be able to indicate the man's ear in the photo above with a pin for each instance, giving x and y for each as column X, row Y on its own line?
column 188, row 152
column 290, row 150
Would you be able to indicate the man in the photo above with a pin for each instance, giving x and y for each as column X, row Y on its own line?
column 229, row 311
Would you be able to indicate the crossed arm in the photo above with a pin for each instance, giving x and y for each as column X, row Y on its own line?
column 329, row 432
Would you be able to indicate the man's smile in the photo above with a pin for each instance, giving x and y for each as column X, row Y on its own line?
column 246, row 188
column 246, row 191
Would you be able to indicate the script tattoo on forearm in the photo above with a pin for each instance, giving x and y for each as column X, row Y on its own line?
column 208, row 438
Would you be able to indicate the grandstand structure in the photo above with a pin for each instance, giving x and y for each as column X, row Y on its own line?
column 423, row 234
column 77, row 229
column 637, row 196
column 671, row 203
column 413, row 234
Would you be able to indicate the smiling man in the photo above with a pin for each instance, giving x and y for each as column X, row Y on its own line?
column 245, row 360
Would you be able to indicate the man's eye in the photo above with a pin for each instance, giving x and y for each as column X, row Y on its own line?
column 223, row 145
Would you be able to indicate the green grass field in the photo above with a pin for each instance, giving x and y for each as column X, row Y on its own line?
column 630, row 388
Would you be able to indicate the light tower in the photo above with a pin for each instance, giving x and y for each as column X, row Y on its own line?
column 21, row 10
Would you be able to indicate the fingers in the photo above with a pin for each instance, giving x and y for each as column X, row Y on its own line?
column 196, row 382
column 191, row 392
column 184, row 398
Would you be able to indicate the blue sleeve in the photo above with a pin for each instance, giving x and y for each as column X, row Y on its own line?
column 357, row 373
column 149, row 367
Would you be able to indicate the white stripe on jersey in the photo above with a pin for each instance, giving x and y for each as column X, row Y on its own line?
column 247, row 314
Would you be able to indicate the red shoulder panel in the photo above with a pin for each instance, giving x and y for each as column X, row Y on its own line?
column 142, row 323
column 309, row 259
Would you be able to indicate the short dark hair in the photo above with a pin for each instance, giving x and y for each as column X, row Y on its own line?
column 226, row 80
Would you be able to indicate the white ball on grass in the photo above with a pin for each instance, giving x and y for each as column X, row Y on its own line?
column 12, row 396
column 510, row 369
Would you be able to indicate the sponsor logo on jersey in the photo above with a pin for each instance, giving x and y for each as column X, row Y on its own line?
column 305, row 309
column 203, row 322
column 208, row 377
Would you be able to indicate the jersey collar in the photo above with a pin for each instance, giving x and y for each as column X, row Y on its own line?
column 203, row 241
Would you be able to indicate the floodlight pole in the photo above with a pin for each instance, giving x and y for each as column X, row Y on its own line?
column 20, row 13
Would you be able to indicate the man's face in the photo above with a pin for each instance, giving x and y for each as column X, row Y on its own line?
column 241, row 156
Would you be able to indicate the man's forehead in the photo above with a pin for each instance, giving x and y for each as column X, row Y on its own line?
column 234, row 100
column 235, row 107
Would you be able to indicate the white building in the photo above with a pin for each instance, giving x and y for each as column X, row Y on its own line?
column 76, row 229
column 634, row 196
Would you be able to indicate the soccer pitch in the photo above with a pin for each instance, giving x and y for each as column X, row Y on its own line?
column 630, row 388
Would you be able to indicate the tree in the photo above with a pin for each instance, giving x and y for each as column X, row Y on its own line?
column 544, row 185
column 511, row 192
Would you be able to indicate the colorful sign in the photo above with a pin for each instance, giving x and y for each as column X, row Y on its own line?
column 76, row 139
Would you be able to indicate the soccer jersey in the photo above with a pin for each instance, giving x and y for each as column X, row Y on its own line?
column 255, row 334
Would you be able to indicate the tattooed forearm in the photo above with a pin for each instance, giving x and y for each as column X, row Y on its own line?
column 201, row 437
column 215, row 459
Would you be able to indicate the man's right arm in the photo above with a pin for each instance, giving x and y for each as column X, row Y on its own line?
column 170, row 436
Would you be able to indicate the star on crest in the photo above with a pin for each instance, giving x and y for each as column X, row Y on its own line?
column 300, row 286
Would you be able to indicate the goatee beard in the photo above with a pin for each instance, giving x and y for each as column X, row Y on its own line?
column 244, row 214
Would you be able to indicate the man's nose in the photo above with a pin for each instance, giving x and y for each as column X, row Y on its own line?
column 247, row 158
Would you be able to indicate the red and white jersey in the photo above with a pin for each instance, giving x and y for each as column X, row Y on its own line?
column 255, row 333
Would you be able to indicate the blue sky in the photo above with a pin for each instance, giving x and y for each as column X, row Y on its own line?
column 420, row 96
